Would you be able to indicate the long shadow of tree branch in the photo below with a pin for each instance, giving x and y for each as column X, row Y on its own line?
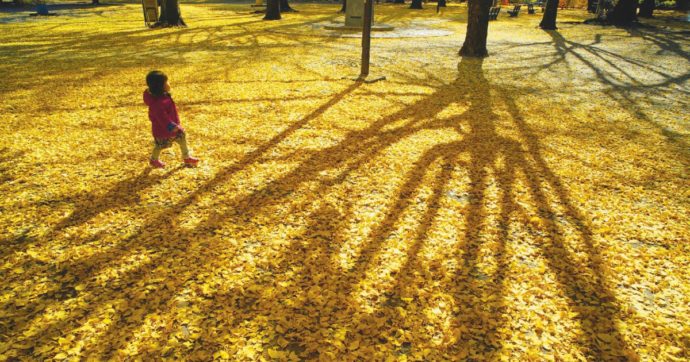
column 625, row 94
column 259, row 301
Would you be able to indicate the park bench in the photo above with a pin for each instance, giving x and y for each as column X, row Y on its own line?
column 539, row 3
column 531, row 7
column 493, row 12
column 515, row 11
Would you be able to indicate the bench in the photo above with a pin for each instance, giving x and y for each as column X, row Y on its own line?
column 493, row 12
column 514, row 12
column 531, row 7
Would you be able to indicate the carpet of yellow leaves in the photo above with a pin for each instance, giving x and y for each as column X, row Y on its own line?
column 530, row 206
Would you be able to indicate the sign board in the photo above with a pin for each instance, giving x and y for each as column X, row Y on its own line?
column 150, row 11
column 354, row 13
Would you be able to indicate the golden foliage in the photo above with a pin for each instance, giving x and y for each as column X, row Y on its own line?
column 533, row 206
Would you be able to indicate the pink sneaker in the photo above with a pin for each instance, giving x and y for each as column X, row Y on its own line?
column 191, row 161
column 156, row 164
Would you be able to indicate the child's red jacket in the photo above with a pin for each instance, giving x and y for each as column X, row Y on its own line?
column 163, row 115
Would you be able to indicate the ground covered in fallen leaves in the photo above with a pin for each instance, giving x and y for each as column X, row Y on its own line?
column 530, row 206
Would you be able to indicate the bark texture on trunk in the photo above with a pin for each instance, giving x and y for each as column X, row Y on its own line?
column 477, row 29
column 624, row 13
column 548, row 21
column 344, row 8
column 170, row 14
column 416, row 4
column 647, row 8
column 272, row 10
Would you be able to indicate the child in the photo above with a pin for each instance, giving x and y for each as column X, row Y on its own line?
column 165, row 123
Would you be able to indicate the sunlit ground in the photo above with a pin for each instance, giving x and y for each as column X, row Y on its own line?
column 531, row 206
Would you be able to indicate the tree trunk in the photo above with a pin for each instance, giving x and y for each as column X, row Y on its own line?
column 344, row 8
column 548, row 21
column 601, row 11
column 441, row 4
column 170, row 14
column 416, row 4
column 624, row 13
column 399, row 2
column 647, row 8
column 683, row 5
column 272, row 10
column 285, row 7
column 477, row 29
column 590, row 6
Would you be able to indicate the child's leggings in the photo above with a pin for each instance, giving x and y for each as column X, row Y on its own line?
column 159, row 145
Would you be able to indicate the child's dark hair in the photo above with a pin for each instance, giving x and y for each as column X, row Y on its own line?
column 156, row 82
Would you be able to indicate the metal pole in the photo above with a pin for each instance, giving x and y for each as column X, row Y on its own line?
column 366, row 37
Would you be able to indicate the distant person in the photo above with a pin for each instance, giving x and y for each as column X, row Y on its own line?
column 165, row 123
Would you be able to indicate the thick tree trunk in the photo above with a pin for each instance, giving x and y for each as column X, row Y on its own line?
column 272, row 10
column 548, row 21
column 591, row 7
column 647, row 8
column 683, row 5
column 344, row 8
column 477, row 29
column 416, row 4
column 624, row 13
column 170, row 14
column 285, row 7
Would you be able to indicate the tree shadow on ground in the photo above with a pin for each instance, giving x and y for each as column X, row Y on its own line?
column 300, row 291
column 589, row 297
column 626, row 93
column 148, row 238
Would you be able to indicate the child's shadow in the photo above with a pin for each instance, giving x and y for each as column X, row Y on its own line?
column 123, row 193
column 91, row 204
